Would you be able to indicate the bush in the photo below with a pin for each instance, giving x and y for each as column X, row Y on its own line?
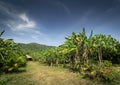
column 92, row 67
column 105, row 73
column 12, row 64
column 21, row 61
column 9, row 52
column 107, row 63
column 108, row 75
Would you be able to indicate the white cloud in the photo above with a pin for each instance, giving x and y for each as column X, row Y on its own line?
column 22, row 27
column 28, row 23
column 17, row 21
column 22, row 24
column 24, row 17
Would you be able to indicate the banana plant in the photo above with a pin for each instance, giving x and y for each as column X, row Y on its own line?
column 10, row 58
column 104, row 46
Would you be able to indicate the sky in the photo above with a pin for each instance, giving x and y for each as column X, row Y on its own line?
column 50, row 21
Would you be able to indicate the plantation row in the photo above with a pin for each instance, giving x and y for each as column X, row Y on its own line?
column 84, row 50
column 92, row 56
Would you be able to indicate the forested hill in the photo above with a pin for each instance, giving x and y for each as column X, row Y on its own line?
column 30, row 48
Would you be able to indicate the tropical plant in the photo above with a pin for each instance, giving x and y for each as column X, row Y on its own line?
column 10, row 59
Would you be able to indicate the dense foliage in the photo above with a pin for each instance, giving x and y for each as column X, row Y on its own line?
column 11, row 58
column 33, row 49
column 82, row 49
column 92, row 56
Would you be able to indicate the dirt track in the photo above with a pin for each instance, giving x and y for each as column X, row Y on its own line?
column 46, row 75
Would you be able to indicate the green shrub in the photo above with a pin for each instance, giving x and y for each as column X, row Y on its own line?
column 9, row 52
column 21, row 61
column 108, row 75
column 76, row 65
column 92, row 67
column 105, row 73
column 12, row 64
column 107, row 63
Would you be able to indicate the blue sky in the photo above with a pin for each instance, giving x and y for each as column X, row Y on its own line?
column 50, row 21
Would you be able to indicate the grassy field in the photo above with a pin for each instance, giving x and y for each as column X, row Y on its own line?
column 40, row 74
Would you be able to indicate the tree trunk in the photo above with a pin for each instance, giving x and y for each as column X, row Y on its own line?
column 76, row 55
column 85, row 56
column 100, row 55
column 51, row 63
column 56, row 62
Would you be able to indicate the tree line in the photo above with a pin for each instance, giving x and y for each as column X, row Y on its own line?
column 92, row 56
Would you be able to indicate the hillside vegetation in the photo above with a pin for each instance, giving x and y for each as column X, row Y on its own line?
column 33, row 49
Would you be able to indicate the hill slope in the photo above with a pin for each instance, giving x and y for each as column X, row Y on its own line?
column 33, row 49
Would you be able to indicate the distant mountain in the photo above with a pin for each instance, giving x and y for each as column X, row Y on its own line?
column 33, row 47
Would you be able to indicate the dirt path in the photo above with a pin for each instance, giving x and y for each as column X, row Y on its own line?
column 40, row 74
column 46, row 75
